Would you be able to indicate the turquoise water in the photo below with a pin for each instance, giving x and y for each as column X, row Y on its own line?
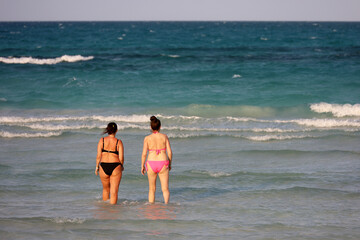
column 263, row 118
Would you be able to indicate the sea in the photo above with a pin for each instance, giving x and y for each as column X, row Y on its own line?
column 263, row 120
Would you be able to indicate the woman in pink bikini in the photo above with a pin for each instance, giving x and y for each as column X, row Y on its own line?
column 156, row 145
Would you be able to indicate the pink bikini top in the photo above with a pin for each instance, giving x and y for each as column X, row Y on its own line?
column 157, row 150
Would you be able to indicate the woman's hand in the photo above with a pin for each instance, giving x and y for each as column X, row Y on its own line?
column 96, row 171
column 143, row 170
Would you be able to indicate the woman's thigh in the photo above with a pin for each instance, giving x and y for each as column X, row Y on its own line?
column 115, row 177
column 164, row 177
column 105, row 179
column 151, row 176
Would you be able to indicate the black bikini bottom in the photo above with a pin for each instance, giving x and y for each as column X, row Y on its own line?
column 109, row 167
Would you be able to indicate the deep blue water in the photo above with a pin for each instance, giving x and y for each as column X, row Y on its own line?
column 175, row 64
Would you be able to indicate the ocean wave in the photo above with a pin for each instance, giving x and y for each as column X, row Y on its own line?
column 186, row 135
column 6, row 134
column 47, row 127
column 14, row 119
column 62, row 220
column 45, row 61
column 236, row 76
column 178, row 117
column 55, row 126
column 327, row 123
column 266, row 138
column 223, row 129
column 119, row 118
column 337, row 110
column 212, row 174
column 122, row 118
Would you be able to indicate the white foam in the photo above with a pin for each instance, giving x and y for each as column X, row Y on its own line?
column 327, row 123
column 45, row 61
column 29, row 135
column 3, row 100
column 337, row 110
column 219, row 174
column 174, row 56
column 213, row 174
column 236, row 76
column 185, row 135
column 48, row 127
column 13, row 119
column 241, row 119
column 119, row 118
column 62, row 220
column 274, row 137
column 257, row 130
column 123, row 118
column 178, row 117
column 276, row 130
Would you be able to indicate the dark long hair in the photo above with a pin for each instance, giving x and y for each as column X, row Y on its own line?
column 155, row 123
column 111, row 128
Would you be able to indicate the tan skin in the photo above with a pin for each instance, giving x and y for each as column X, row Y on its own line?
column 110, row 183
column 157, row 141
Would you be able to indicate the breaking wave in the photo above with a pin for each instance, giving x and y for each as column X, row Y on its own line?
column 6, row 134
column 44, row 61
column 338, row 110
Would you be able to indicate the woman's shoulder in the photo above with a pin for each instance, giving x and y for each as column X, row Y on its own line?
column 164, row 135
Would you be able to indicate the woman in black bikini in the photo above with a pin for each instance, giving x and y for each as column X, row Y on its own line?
column 109, row 163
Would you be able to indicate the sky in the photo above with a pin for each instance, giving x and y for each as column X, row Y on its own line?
column 179, row 10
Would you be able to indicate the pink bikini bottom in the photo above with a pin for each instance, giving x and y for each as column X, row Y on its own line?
column 156, row 166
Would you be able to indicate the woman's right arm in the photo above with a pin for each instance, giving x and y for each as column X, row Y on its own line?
column 121, row 154
column 169, row 152
column 98, row 157
column 143, row 156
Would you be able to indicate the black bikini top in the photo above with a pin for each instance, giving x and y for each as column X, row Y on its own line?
column 114, row 152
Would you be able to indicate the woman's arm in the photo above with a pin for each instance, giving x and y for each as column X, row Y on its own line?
column 169, row 152
column 121, row 153
column 98, row 157
column 143, row 156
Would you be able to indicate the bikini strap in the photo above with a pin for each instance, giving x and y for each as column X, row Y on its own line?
column 103, row 143
column 116, row 145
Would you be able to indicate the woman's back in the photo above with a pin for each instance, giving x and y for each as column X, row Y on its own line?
column 110, row 149
column 157, row 143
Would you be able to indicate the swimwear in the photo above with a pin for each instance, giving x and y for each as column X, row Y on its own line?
column 157, row 150
column 114, row 152
column 109, row 167
column 156, row 166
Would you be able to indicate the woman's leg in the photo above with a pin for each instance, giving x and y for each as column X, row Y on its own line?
column 105, row 180
column 152, row 183
column 115, row 179
column 164, row 180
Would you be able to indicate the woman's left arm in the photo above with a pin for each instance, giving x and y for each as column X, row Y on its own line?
column 143, row 156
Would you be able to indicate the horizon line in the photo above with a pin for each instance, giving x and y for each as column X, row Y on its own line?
column 349, row 21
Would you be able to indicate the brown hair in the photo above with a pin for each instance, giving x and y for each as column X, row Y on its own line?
column 111, row 128
column 155, row 123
